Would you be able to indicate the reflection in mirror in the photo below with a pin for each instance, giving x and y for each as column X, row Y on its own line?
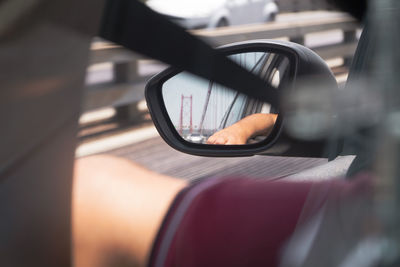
column 205, row 112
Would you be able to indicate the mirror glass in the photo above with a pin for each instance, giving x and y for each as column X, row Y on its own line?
column 206, row 112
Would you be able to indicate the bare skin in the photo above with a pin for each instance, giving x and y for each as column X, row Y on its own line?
column 118, row 207
column 240, row 132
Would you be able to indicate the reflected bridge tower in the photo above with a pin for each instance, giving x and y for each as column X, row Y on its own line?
column 186, row 115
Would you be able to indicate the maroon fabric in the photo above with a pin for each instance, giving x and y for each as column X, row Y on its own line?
column 241, row 222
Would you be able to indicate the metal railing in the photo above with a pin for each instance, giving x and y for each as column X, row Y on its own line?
column 126, row 88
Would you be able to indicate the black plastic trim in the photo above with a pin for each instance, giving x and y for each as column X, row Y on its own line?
column 166, row 129
column 304, row 64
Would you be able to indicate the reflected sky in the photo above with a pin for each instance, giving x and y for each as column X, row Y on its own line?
column 185, row 95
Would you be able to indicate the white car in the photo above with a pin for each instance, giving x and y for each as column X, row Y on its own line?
column 197, row 14
column 196, row 138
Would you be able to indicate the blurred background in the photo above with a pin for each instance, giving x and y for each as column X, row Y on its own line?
column 115, row 119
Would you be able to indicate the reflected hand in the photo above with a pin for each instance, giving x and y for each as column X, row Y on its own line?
column 231, row 135
column 241, row 131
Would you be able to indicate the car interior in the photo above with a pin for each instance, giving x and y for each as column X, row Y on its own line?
column 28, row 226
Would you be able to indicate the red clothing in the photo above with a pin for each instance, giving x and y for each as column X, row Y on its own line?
column 236, row 222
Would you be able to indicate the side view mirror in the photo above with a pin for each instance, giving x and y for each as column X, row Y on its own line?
column 201, row 117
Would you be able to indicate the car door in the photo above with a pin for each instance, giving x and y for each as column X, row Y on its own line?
column 254, row 12
column 237, row 11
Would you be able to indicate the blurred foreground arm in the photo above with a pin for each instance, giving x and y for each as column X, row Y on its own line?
column 118, row 207
column 241, row 131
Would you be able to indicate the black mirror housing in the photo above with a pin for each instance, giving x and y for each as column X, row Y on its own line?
column 304, row 66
